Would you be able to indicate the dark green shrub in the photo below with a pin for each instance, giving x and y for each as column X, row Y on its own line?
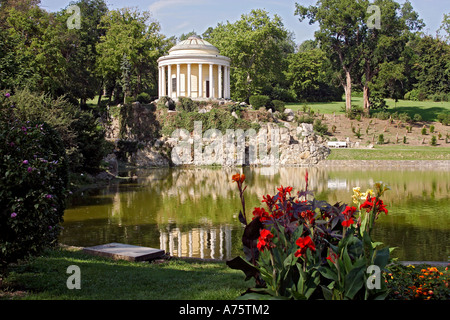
column 417, row 117
column 144, row 97
column 81, row 133
column 382, row 115
column 259, row 101
column 381, row 139
column 444, row 118
column 278, row 105
column 33, row 186
column 424, row 131
column 319, row 127
column 186, row 104
column 433, row 141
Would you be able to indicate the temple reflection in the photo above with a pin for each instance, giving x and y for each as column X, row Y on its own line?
column 203, row 242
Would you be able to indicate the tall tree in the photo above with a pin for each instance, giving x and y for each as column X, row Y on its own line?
column 341, row 34
column 360, row 39
column 131, row 33
column 257, row 45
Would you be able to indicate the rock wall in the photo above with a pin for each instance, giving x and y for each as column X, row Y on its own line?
column 280, row 143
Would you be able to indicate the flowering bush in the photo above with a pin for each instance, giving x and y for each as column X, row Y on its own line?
column 418, row 282
column 33, row 183
column 301, row 248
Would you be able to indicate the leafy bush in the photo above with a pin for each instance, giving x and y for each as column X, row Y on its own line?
column 144, row 97
column 382, row 115
column 81, row 133
column 34, row 178
column 319, row 127
column 433, row 141
column 259, row 101
column 278, row 105
column 418, row 282
column 186, row 104
column 444, row 118
column 308, row 249
column 417, row 117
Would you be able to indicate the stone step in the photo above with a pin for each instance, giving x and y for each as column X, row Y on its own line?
column 120, row 251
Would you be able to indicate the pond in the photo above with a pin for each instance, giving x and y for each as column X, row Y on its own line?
column 193, row 212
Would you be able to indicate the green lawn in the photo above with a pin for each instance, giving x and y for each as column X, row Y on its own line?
column 106, row 279
column 392, row 153
column 427, row 109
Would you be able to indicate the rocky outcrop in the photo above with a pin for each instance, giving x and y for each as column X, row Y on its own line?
column 278, row 143
column 272, row 145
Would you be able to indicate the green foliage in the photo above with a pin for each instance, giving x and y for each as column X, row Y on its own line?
column 309, row 77
column 424, row 131
column 381, row 139
column 220, row 119
column 444, row 118
column 354, row 112
column 186, row 104
column 259, row 101
column 433, row 141
column 82, row 135
column 257, row 45
column 34, row 178
column 420, row 282
column 278, row 105
column 319, row 127
column 144, row 97
column 417, row 117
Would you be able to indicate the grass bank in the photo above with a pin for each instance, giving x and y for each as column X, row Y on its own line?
column 427, row 109
column 45, row 278
column 392, row 153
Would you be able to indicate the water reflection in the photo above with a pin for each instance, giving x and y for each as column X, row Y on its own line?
column 193, row 211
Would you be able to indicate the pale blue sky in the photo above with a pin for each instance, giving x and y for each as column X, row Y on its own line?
column 182, row 16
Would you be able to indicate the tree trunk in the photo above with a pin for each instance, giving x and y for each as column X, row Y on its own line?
column 348, row 91
column 366, row 102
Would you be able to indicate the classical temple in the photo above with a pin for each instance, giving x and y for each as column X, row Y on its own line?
column 195, row 69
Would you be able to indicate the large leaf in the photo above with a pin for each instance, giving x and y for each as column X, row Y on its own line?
column 382, row 257
column 354, row 281
column 240, row 264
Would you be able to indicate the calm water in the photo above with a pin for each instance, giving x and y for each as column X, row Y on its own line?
column 193, row 212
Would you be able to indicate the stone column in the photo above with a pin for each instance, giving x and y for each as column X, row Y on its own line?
column 200, row 80
column 228, row 83
column 163, row 80
column 159, row 82
column 169, row 80
column 220, row 82
column 211, row 81
column 189, row 79
column 178, row 80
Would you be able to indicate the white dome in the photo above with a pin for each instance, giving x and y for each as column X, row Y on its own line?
column 193, row 45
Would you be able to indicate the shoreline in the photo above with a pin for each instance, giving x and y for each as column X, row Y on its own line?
column 386, row 163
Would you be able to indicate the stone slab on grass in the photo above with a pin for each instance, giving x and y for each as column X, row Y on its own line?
column 120, row 251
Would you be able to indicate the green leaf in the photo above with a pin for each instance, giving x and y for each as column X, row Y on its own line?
column 382, row 257
column 328, row 273
column 354, row 281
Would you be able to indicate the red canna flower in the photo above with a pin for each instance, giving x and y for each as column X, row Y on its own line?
column 333, row 257
column 304, row 243
column 238, row 177
column 265, row 240
column 348, row 214
column 261, row 214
